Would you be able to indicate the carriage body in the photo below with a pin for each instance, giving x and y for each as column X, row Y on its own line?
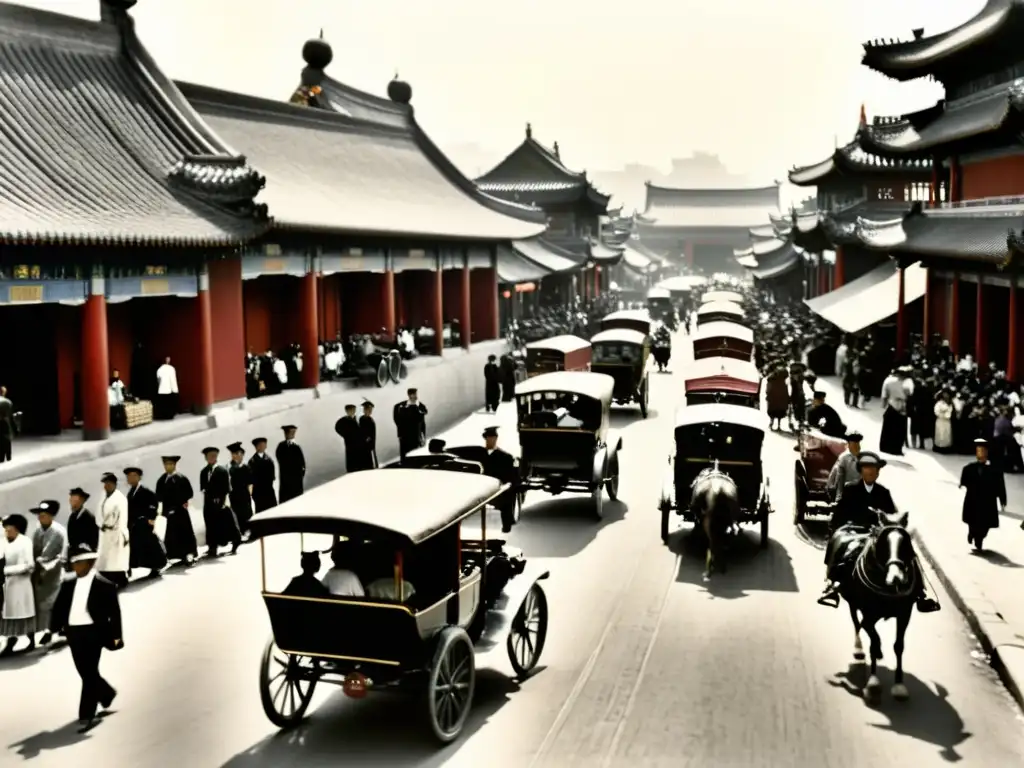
column 818, row 455
column 727, row 436
column 727, row 296
column 565, row 443
column 660, row 306
column 559, row 353
column 720, row 312
column 638, row 320
column 723, row 339
column 469, row 593
column 723, row 380
column 625, row 355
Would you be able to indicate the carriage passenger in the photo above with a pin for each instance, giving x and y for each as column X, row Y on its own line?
column 845, row 471
column 306, row 584
column 341, row 580
column 824, row 417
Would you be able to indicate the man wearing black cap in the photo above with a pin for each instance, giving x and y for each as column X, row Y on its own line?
column 501, row 466
column 985, row 495
column 507, row 364
column 215, row 485
column 88, row 613
column 410, row 419
column 292, row 463
column 845, row 470
column 173, row 493
column 492, row 384
column 82, row 525
column 114, row 557
column 49, row 542
column 241, row 489
column 823, row 417
column 368, row 429
column 347, row 428
column 145, row 548
column 264, row 473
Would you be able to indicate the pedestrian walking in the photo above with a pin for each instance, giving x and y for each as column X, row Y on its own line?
column 985, row 495
column 347, row 428
column 291, row 463
column 492, row 384
column 240, row 477
column 145, row 550
column 82, row 525
column 7, row 429
column 173, row 493
column 18, row 616
column 368, row 428
column 507, row 365
column 88, row 613
column 410, row 421
column 264, row 473
column 114, row 560
column 215, row 485
column 49, row 548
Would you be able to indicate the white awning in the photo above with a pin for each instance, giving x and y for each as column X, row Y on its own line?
column 870, row 298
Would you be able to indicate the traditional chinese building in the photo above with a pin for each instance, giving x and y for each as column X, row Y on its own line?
column 121, row 223
column 701, row 228
column 534, row 174
column 966, row 235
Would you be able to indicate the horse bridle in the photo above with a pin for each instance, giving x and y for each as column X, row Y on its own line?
column 860, row 569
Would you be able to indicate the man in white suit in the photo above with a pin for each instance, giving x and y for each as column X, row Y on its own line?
column 114, row 554
column 166, row 391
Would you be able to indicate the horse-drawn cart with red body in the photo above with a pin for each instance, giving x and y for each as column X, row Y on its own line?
column 818, row 454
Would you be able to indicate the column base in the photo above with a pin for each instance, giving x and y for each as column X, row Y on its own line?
column 93, row 435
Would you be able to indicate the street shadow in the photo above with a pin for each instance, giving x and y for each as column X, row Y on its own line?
column 139, row 584
column 25, row 658
column 562, row 526
column 49, row 741
column 927, row 716
column 996, row 558
column 748, row 567
column 383, row 729
column 623, row 416
column 813, row 532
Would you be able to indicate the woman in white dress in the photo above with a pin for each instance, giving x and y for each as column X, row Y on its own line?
column 18, row 617
column 943, row 424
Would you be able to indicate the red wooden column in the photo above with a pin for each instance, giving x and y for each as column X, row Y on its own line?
column 981, row 328
column 494, row 311
column 436, row 298
column 95, row 361
column 953, row 318
column 204, row 343
column 901, row 316
column 822, row 277
column 388, row 299
column 954, row 180
column 840, row 269
column 597, row 281
column 926, row 327
column 465, row 303
column 309, row 326
column 1011, row 343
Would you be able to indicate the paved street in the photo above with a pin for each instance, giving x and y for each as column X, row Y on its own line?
column 644, row 666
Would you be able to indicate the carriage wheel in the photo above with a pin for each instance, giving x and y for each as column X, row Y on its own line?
column 643, row 401
column 799, row 502
column 452, row 679
column 284, row 691
column 528, row 632
column 664, row 523
column 764, row 523
column 598, row 494
column 394, row 366
column 613, row 480
column 382, row 373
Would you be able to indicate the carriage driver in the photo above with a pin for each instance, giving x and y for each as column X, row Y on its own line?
column 845, row 471
column 854, row 517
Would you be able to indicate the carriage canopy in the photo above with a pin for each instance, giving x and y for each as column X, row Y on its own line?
column 634, row 319
column 730, row 296
column 724, row 308
column 596, row 386
column 723, row 374
column 724, row 329
column 619, row 336
column 659, row 294
column 566, row 344
column 360, row 506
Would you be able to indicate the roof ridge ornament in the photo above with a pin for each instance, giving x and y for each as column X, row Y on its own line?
column 317, row 53
column 529, row 131
column 399, row 91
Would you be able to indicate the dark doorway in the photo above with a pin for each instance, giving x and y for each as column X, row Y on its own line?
column 28, row 366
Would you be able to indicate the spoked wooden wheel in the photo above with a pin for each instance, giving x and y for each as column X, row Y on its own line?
column 286, row 686
column 395, row 366
column 613, row 480
column 528, row 632
column 382, row 373
column 450, row 684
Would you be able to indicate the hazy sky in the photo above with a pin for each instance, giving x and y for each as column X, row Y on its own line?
column 764, row 83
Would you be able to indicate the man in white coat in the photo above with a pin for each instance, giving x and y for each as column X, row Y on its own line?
column 166, row 391
column 114, row 555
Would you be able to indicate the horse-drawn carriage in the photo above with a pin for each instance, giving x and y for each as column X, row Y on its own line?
column 638, row 320
column 723, row 339
column 714, row 440
column 447, row 596
column 723, row 380
column 818, row 454
column 661, row 346
column 564, row 438
column 559, row 353
column 624, row 354
column 379, row 361
column 661, row 307
column 720, row 311
column 729, row 296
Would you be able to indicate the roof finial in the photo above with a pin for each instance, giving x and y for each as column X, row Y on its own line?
column 863, row 116
column 555, row 148
column 529, row 131
column 321, row 33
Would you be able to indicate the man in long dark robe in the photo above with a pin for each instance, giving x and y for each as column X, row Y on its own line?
column 347, row 428
column 492, row 384
column 508, row 377
column 173, row 493
column 894, row 416
column 145, row 550
column 823, row 416
column 501, row 465
column 215, row 485
column 264, row 473
column 292, row 464
column 240, row 495
column 410, row 421
column 368, row 429
column 985, row 496
column 83, row 527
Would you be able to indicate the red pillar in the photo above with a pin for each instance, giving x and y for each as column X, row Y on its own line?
column 465, row 307
column 901, row 317
column 980, row 328
column 204, row 344
column 954, row 180
column 309, row 340
column 1011, row 352
column 388, row 300
column 954, row 315
column 822, row 278
column 926, row 327
column 95, row 363
column 840, row 271
column 436, row 291
column 493, row 313
column 597, row 281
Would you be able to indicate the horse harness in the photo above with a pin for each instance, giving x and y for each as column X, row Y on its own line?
column 862, row 569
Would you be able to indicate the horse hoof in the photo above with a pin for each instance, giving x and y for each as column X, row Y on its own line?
column 900, row 692
column 873, row 690
column 706, row 577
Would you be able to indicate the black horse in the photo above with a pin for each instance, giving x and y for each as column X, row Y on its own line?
column 882, row 584
column 714, row 504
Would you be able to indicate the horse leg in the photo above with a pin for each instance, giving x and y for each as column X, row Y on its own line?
column 858, row 647
column 899, row 690
column 873, row 688
column 709, row 558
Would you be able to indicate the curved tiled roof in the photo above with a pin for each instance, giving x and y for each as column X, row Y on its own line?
column 853, row 161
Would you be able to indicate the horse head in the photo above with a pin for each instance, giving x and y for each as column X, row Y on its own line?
column 893, row 551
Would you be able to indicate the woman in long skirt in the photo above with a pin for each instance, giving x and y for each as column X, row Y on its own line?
column 18, row 617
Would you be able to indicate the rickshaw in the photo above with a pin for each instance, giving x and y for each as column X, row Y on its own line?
column 638, row 320
column 729, row 296
column 723, row 339
column 448, row 596
column 818, row 454
column 720, row 311
column 559, row 353
column 661, row 346
column 564, row 440
column 624, row 354
column 723, row 380
column 729, row 437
